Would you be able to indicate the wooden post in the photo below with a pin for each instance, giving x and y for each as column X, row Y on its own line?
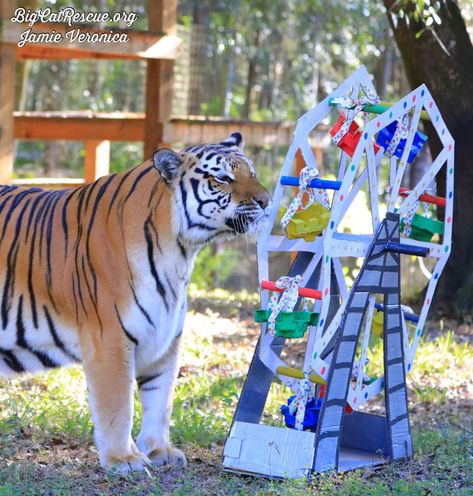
column 97, row 160
column 7, row 96
column 159, row 77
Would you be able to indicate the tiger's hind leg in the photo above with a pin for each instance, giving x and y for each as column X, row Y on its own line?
column 155, row 387
column 109, row 367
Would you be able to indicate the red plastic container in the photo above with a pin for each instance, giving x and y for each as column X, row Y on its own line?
column 349, row 142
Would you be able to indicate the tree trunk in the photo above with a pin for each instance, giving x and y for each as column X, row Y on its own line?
column 444, row 61
column 251, row 79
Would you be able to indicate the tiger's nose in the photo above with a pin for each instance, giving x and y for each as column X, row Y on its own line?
column 262, row 199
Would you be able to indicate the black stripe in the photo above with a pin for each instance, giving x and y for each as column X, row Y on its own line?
column 45, row 360
column 182, row 249
column 57, row 340
column 156, row 235
column 100, row 193
column 124, row 329
column 142, row 309
column 153, row 192
column 141, row 381
column 49, row 231
column 12, row 361
column 32, row 254
column 76, row 284
column 8, row 289
column 89, row 290
column 17, row 200
column 115, row 194
column 7, row 188
column 75, row 299
column 136, row 181
column 171, row 288
column 5, row 201
column 154, row 273
column 98, row 197
column 150, row 388
column 190, row 222
column 65, row 227
column 33, row 211
column 76, row 248
column 42, row 220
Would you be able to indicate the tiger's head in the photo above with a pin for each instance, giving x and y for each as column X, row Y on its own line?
column 216, row 191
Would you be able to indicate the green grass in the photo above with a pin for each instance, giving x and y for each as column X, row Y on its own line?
column 46, row 431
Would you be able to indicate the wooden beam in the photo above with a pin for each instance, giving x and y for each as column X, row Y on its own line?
column 7, row 97
column 97, row 160
column 41, row 52
column 140, row 44
column 117, row 126
column 159, row 77
column 51, row 126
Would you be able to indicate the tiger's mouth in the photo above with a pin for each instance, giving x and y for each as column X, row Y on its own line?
column 247, row 222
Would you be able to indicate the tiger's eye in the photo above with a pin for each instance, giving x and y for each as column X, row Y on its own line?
column 224, row 179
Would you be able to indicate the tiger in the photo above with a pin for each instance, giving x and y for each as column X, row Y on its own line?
column 98, row 275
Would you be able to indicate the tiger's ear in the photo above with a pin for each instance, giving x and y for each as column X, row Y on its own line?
column 167, row 162
column 234, row 139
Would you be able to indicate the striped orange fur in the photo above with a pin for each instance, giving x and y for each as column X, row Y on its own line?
column 99, row 275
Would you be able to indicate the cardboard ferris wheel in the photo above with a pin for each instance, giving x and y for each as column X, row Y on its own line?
column 338, row 319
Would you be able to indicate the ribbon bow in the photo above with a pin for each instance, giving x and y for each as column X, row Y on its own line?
column 286, row 302
column 402, row 130
column 306, row 176
column 300, row 401
column 408, row 218
column 357, row 104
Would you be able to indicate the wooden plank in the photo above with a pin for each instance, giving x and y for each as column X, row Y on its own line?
column 39, row 127
column 41, row 52
column 97, row 160
column 140, row 44
column 159, row 77
column 7, row 98
column 131, row 127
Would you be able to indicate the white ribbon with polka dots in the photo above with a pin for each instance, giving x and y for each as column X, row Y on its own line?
column 357, row 104
column 306, row 176
column 286, row 302
column 402, row 130
column 408, row 218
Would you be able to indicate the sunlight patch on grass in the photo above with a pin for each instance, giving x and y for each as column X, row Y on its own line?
column 55, row 402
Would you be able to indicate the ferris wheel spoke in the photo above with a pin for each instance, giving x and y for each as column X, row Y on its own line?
column 424, row 182
column 373, row 184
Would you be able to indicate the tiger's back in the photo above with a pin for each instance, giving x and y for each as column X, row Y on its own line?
column 64, row 263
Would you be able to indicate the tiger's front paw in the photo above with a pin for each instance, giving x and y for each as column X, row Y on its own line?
column 168, row 456
column 134, row 462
